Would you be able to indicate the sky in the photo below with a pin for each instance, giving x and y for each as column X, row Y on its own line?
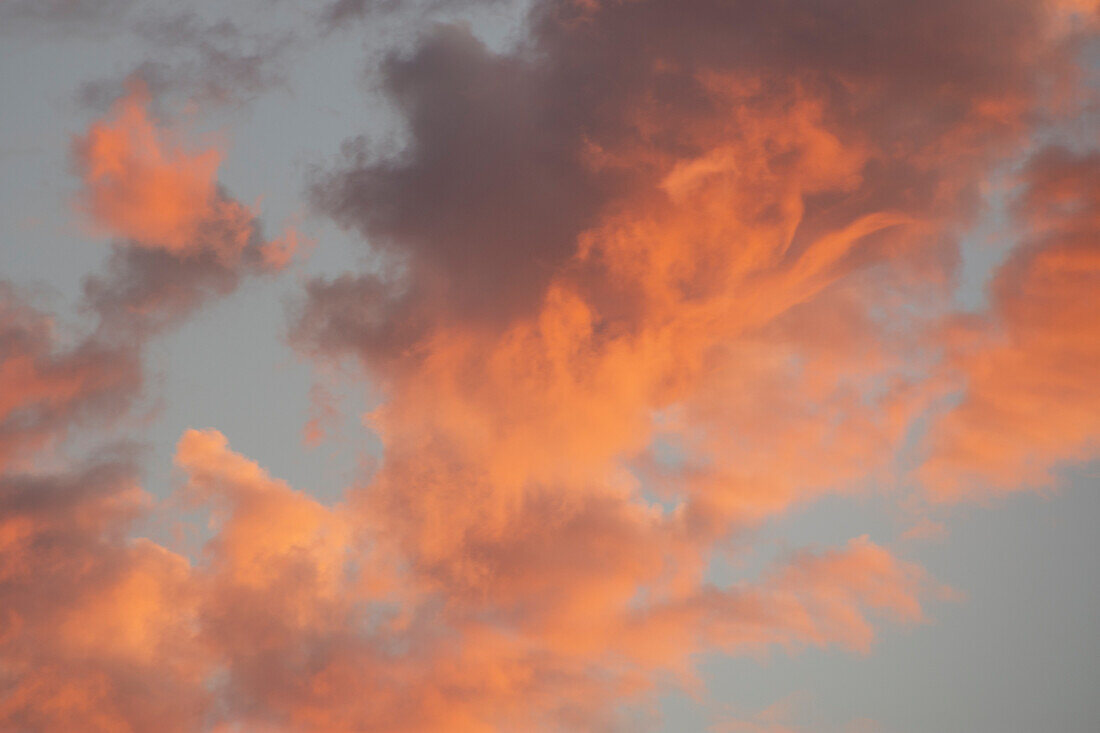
column 706, row 366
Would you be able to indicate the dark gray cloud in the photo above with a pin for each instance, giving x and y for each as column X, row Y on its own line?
column 194, row 59
column 143, row 291
column 511, row 156
column 342, row 11
column 51, row 386
column 61, row 15
column 346, row 13
column 493, row 190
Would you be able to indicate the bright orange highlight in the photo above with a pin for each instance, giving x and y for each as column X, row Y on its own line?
column 142, row 186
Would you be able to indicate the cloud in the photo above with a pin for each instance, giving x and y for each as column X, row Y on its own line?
column 513, row 156
column 338, row 14
column 710, row 225
column 291, row 620
column 180, row 238
column 494, row 192
column 97, row 628
column 180, row 241
column 664, row 271
column 1030, row 370
column 46, row 387
column 153, row 193
column 196, row 61
column 285, row 584
column 65, row 15
column 341, row 12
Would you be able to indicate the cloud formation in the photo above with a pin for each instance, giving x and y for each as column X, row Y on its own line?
column 200, row 62
column 1031, row 402
column 67, row 15
column 179, row 241
column 180, row 238
column 661, row 273
column 98, row 628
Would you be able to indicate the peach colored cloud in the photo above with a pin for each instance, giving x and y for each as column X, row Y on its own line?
column 1031, row 371
column 755, row 287
column 642, row 298
column 142, row 185
column 97, row 630
column 278, row 616
column 47, row 386
column 183, row 242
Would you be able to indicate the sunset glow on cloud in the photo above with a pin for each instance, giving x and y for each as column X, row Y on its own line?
column 635, row 288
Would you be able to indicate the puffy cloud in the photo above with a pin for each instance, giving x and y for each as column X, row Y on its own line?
column 308, row 636
column 97, row 629
column 180, row 239
column 47, row 387
column 662, row 272
column 263, row 518
column 513, row 156
column 495, row 191
column 292, row 621
column 150, row 191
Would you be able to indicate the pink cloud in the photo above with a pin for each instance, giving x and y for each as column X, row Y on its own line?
column 634, row 300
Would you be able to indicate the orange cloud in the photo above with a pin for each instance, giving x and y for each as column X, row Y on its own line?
column 1031, row 373
column 635, row 300
column 101, row 631
column 185, row 242
column 97, row 631
column 46, row 387
column 258, row 519
column 143, row 186
column 281, row 614
column 284, row 579
column 749, row 279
